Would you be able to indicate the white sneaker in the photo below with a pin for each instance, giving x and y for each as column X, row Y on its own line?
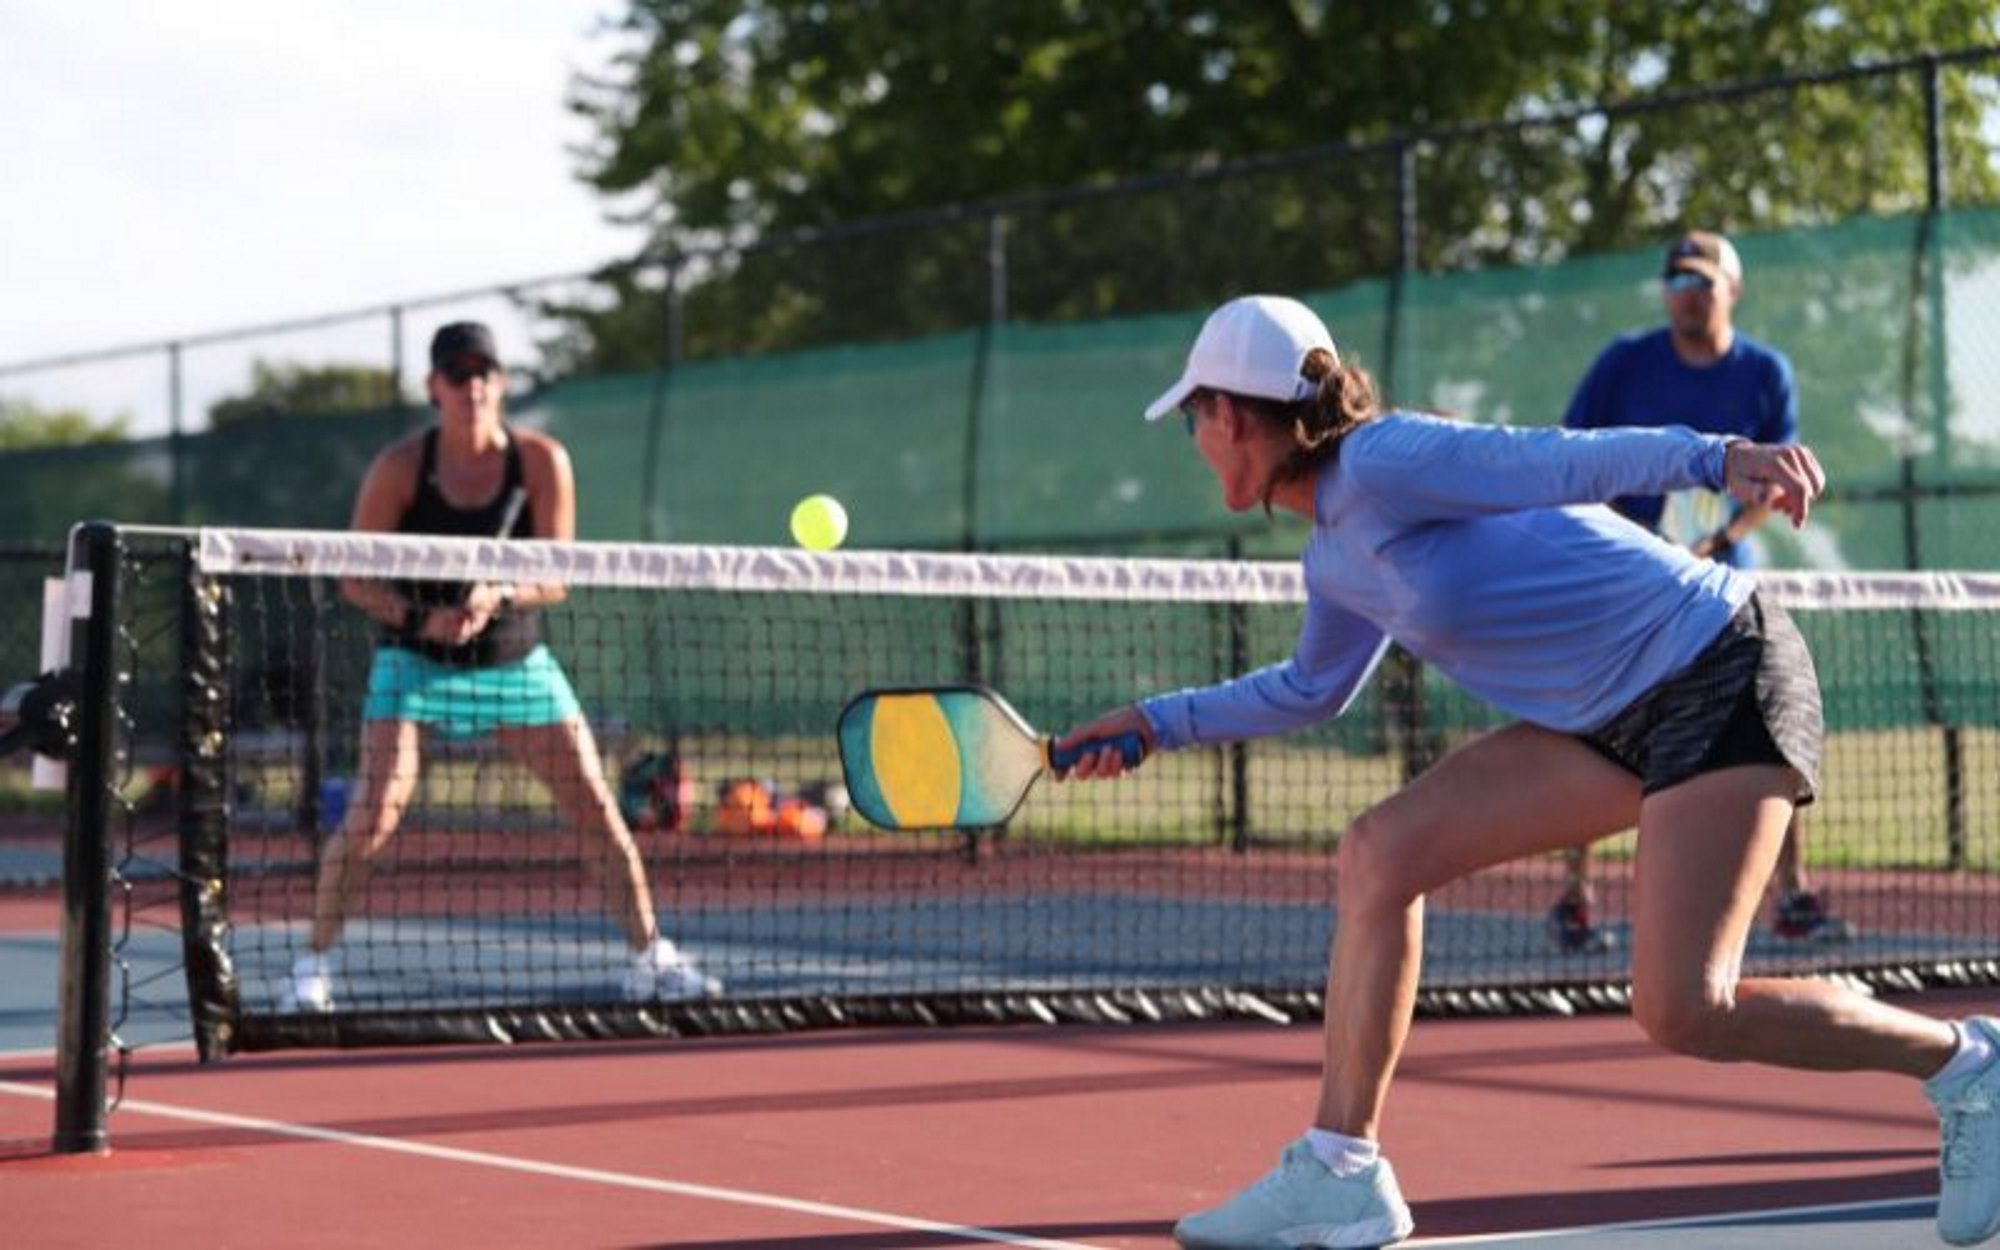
column 1969, row 1167
column 311, row 985
column 1299, row 1204
column 661, row 971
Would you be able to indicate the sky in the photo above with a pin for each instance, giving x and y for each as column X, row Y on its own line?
column 177, row 169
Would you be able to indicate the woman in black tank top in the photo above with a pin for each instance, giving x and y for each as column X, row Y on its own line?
column 468, row 660
column 510, row 634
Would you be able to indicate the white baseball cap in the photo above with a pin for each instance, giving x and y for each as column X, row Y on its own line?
column 1253, row 345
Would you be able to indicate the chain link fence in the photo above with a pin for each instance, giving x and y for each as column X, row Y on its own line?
column 971, row 377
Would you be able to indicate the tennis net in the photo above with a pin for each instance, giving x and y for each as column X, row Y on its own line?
column 711, row 679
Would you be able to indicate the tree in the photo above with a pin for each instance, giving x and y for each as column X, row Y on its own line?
column 728, row 124
column 25, row 425
column 63, row 465
column 280, row 390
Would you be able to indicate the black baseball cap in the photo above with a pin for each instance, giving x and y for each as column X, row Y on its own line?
column 460, row 339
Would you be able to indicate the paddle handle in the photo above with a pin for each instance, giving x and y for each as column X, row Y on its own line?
column 1131, row 747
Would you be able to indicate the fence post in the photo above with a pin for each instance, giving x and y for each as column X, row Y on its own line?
column 396, row 357
column 1238, row 753
column 1407, row 721
column 176, row 440
column 1924, row 353
column 670, row 356
column 975, row 404
column 1395, row 344
column 975, row 410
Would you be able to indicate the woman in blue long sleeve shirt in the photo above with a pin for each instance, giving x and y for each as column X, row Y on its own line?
column 1652, row 689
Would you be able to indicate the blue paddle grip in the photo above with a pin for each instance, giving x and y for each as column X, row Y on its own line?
column 1130, row 746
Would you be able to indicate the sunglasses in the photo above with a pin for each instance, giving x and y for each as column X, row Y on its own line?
column 460, row 373
column 1686, row 281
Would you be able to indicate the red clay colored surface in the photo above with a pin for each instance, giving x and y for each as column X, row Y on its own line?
column 1099, row 1136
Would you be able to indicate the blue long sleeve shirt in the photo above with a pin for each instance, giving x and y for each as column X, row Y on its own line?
column 1481, row 550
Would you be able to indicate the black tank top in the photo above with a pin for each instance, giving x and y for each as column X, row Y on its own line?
column 513, row 632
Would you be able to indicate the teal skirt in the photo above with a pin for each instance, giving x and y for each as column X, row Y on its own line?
column 469, row 702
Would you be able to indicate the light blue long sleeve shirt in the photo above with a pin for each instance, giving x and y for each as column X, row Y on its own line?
column 1484, row 551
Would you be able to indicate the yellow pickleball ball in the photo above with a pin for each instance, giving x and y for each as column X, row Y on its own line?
column 819, row 523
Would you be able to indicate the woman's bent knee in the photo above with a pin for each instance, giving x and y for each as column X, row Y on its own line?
column 1701, row 1027
column 1372, row 871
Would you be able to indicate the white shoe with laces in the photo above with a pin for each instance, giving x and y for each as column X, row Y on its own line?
column 662, row 972
column 1969, row 1166
column 1300, row 1203
column 311, row 985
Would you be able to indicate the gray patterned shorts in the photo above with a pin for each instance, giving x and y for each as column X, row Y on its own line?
column 1751, row 697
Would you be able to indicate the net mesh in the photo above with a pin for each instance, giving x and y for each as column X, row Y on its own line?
column 711, row 678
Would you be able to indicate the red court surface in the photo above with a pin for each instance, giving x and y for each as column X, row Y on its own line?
column 1094, row 1136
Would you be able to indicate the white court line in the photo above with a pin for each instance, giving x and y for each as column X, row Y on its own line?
column 623, row 1180
column 1687, row 1222
column 149, row 1049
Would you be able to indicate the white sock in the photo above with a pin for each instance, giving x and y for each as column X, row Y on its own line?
column 1343, row 1155
column 1975, row 1051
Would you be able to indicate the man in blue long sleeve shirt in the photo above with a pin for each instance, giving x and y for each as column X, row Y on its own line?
column 1701, row 372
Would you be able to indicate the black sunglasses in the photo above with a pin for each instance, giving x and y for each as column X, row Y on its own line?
column 1687, row 280
column 1190, row 414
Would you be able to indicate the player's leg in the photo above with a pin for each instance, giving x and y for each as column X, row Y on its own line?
column 386, row 778
column 1517, row 791
column 1706, row 849
column 1576, row 872
column 390, row 758
column 1573, row 921
column 1511, row 793
column 1791, row 872
column 565, row 759
column 1803, row 913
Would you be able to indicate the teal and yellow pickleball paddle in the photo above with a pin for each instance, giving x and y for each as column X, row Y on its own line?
column 947, row 757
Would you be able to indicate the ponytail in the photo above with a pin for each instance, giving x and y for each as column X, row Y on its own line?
column 1344, row 401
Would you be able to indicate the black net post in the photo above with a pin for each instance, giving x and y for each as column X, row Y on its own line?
column 83, row 1032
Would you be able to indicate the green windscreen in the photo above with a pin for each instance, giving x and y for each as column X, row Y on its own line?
column 1028, row 436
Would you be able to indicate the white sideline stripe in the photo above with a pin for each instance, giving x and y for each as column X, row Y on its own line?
column 448, row 1154
column 150, row 1049
column 1687, row 1222
column 885, row 1219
